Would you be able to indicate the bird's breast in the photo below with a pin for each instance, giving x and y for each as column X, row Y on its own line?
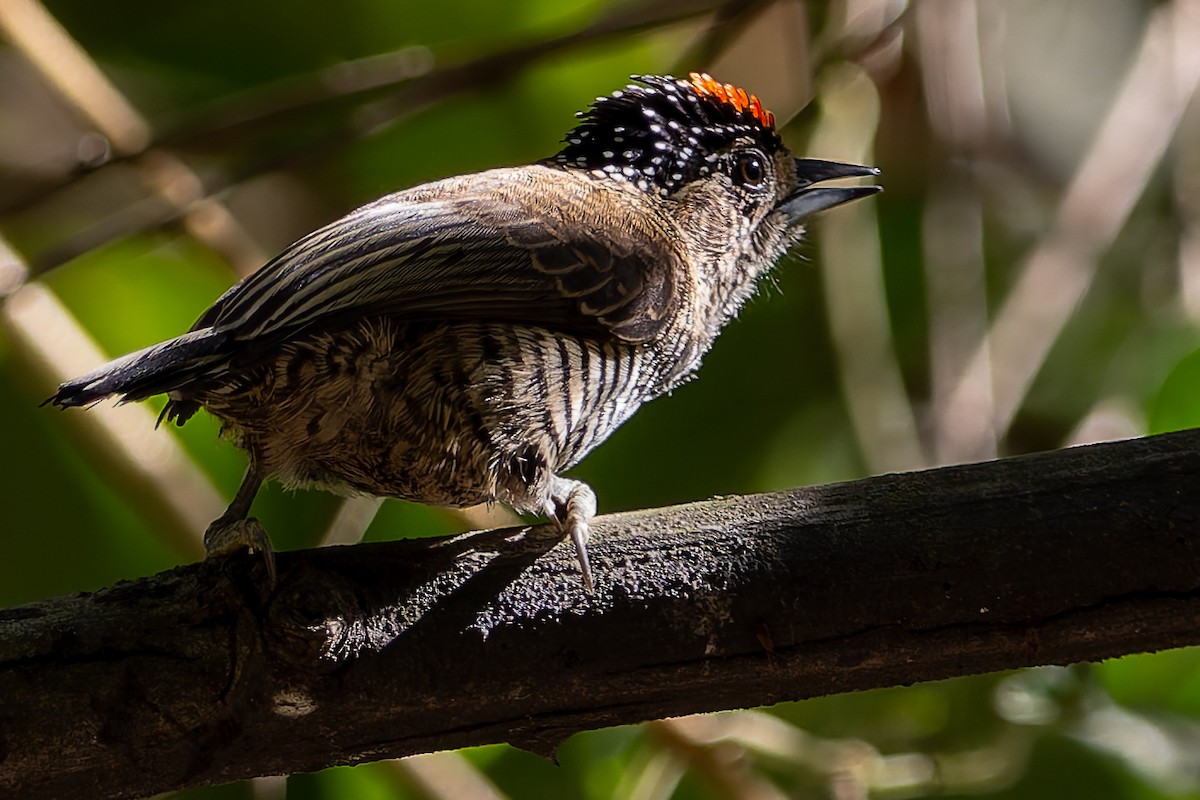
column 447, row 413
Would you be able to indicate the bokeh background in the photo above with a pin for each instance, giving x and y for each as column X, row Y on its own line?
column 1030, row 280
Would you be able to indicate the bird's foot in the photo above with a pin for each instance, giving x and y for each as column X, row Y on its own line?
column 574, row 504
column 227, row 537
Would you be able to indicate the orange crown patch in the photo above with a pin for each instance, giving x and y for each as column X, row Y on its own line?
column 707, row 86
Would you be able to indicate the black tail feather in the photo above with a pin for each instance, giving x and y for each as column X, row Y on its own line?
column 163, row 367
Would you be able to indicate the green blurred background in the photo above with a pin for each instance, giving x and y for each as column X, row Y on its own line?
column 1029, row 280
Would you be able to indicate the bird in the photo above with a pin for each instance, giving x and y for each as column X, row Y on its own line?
column 469, row 340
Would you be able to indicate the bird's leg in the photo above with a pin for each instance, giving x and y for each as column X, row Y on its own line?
column 572, row 504
column 235, row 530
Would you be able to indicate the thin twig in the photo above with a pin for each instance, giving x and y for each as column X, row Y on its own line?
column 48, row 336
column 379, row 94
column 852, row 264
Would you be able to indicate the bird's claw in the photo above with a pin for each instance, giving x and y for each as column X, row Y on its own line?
column 224, row 538
column 578, row 531
column 573, row 503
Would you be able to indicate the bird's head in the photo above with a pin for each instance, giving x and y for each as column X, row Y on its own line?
column 707, row 155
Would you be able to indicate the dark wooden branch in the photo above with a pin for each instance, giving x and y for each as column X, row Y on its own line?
column 194, row 677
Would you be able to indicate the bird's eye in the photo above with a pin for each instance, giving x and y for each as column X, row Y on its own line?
column 748, row 170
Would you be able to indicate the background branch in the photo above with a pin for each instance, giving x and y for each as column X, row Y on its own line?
column 194, row 677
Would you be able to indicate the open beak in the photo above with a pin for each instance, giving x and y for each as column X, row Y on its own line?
column 808, row 199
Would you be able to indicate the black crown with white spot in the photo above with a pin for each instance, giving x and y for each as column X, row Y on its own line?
column 666, row 132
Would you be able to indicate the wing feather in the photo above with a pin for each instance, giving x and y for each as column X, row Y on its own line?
column 500, row 254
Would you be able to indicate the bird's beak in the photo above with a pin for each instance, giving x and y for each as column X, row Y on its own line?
column 807, row 200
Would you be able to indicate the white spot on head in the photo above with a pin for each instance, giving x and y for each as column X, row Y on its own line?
column 607, row 154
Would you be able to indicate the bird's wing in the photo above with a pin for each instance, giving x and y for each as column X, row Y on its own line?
column 497, row 255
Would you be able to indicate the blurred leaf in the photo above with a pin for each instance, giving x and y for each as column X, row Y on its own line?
column 1166, row 681
column 364, row 782
column 1177, row 405
column 64, row 530
column 1060, row 768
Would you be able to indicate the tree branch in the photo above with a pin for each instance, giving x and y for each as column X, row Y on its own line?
column 194, row 677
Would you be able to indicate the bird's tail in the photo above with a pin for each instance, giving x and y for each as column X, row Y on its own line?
column 163, row 367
